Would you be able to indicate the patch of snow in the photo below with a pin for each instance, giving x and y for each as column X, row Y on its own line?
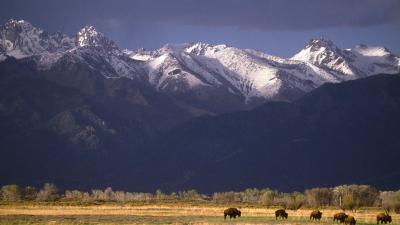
column 141, row 57
column 17, row 53
column 88, row 36
column 370, row 51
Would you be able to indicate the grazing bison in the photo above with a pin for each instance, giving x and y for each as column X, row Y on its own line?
column 383, row 218
column 281, row 213
column 350, row 220
column 316, row 215
column 232, row 212
column 341, row 217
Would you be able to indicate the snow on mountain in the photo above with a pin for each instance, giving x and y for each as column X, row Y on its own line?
column 248, row 73
column 140, row 54
column 19, row 39
column 92, row 44
column 374, row 60
column 250, row 76
column 166, row 70
column 323, row 53
column 180, row 68
column 171, row 68
column 348, row 64
column 303, row 70
column 254, row 74
column 88, row 36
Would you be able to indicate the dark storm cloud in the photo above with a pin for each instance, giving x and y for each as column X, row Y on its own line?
column 279, row 14
column 279, row 27
column 246, row 14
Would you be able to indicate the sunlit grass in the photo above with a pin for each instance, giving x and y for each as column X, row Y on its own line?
column 198, row 214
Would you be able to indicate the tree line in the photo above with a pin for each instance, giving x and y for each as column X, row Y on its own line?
column 347, row 197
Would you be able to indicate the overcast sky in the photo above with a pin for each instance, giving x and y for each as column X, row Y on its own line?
column 279, row 27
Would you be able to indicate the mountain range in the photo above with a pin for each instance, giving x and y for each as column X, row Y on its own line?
column 81, row 112
column 207, row 78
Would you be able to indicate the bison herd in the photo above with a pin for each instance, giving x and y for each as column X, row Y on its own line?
column 315, row 215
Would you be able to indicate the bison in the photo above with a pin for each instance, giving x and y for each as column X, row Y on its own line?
column 316, row 215
column 341, row 217
column 281, row 213
column 383, row 218
column 350, row 220
column 232, row 212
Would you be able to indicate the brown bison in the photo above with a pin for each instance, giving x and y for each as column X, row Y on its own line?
column 281, row 213
column 232, row 212
column 350, row 220
column 316, row 215
column 383, row 218
column 341, row 217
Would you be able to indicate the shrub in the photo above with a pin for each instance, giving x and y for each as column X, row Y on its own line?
column 109, row 194
column 292, row 201
column 29, row 193
column 190, row 195
column 48, row 193
column 349, row 202
column 86, row 197
column 74, row 195
column 355, row 196
column 227, row 197
column 251, row 195
column 317, row 197
column 391, row 200
column 11, row 192
column 267, row 197
column 297, row 200
column 160, row 195
column 106, row 195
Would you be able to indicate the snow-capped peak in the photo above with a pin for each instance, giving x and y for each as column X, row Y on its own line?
column 323, row 53
column 20, row 39
column 200, row 48
column 172, row 49
column 196, row 47
column 318, row 48
column 18, row 24
column 321, row 42
column 88, row 36
column 346, row 64
column 14, row 30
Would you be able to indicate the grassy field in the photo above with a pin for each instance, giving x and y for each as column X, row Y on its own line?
column 163, row 214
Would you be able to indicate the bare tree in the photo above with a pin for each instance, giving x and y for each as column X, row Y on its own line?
column 49, row 192
column 391, row 200
column 354, row 196
column 317, row 197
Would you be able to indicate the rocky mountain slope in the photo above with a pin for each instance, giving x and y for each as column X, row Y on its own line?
column 338, row 133
column 53, row 131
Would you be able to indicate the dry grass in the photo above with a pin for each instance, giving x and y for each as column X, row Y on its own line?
column 163, row 214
